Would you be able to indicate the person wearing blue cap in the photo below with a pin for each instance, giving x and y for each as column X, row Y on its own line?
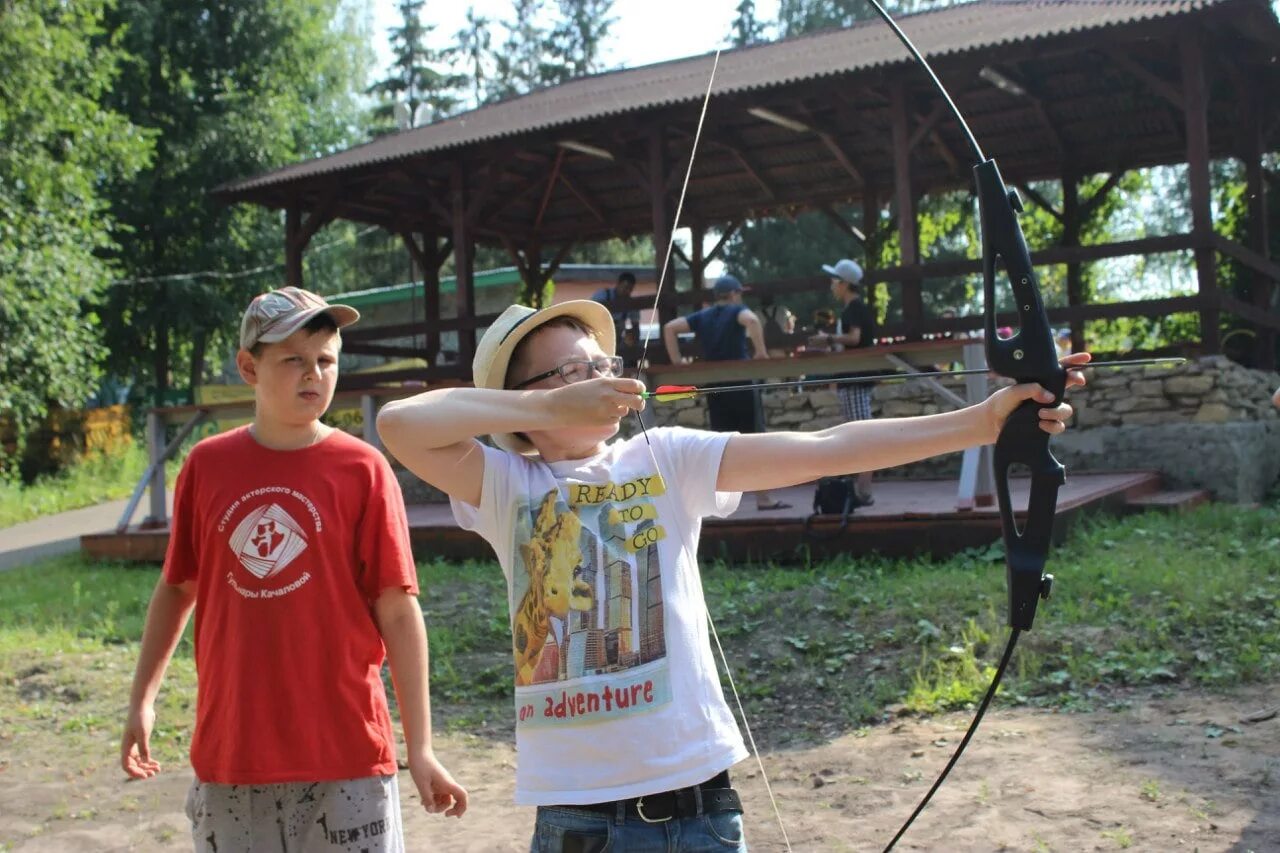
column 856, row 329
column 723, row 330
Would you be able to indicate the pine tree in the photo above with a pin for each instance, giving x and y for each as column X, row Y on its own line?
column 414, row 80
column 746, row 28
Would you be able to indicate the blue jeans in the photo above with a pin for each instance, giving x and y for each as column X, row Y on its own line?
column 567, row 830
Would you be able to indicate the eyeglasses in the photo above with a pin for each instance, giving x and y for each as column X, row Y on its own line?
column 578, row 370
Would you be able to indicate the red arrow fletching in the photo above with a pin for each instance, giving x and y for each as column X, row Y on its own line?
column 669, row 393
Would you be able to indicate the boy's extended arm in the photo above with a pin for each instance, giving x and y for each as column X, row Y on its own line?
column 405, row 635
column 166, row 618
column 773, row 460
column 434, row 434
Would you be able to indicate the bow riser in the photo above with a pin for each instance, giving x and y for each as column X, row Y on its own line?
column 1029, row 355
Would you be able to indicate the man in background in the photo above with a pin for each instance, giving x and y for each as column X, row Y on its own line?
column 855, row 329
column 723, row 330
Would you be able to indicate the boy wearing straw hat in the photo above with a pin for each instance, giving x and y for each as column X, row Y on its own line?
column 623, row 734
column 290, row 542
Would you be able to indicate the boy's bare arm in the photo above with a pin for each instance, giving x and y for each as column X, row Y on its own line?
column 405, row 635
column 167, row 615
column 777, row 459
column 671, row 332
column 434, row 434
column 755, row 332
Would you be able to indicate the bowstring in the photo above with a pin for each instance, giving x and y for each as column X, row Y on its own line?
column 644, row 352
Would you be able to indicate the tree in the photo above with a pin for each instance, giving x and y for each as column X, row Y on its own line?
column 746, row 29
column 576, row 39
column 427, row 93
column 229, row 90
column 473, row 45
column 58, row 147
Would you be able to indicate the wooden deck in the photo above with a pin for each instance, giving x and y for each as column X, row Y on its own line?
column 908, row 517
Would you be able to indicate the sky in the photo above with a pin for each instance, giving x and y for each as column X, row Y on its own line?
column 645, row 31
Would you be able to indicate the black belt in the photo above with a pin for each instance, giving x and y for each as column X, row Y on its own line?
column 715, row 794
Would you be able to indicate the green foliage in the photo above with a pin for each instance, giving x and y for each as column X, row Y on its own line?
column 416, row 80
column 746, row 27
column 58, row 147
column 91, row 480
column 230, row 90
column 534, row 52
column 1147, row 601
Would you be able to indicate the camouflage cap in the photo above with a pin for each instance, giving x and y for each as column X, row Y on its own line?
column 271, row 317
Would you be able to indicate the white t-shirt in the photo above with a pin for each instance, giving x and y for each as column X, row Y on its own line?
column 617, row 692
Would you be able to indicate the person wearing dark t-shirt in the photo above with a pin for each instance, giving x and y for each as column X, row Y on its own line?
column 855, row 330
column 723, row 330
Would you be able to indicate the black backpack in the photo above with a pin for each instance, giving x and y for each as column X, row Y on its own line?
column 834, row 496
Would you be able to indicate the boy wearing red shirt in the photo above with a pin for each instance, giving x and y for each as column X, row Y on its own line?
column 290, row 541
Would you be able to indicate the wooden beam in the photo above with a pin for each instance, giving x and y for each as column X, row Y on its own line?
column 551, row 184
column 908, row 228
column 1255, row 261
column 493, row 176
column 590, row 205
column 659, row 208
column 1252, row 313
column 1043, row 257
column 1041, row 202
column 928, row 123
column 843, row 224
column 1071, row 223
column 292, row 247
column 1259, row 220
column 732, row 144
column 1158, row 85
column 698, row 261
column 829, row 141
column 1100, row 195
column 724, row 238
column 1196, row 116
column 557, row 259
column 464, row 258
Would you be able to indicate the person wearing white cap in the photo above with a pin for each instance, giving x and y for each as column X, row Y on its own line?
column 624, row 740
column 856, row 329
column 290, row 543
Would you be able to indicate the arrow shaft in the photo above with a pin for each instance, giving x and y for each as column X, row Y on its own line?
column 883, row 377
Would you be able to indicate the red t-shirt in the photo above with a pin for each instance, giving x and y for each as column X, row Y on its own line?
column 289, row 550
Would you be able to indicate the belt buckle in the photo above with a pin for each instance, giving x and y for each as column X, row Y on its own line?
column 646, row 818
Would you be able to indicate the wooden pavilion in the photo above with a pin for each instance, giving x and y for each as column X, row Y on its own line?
column 1054, row 89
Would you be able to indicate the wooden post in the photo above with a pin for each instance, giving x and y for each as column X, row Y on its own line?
column 1196, row 114
column 1259, row 226
column 908, row 229
column 156, row 440
column 431, row 298
column 662, row 224
column 1071, row 238
column 463, row 259
column 697, row 263
column 293, row 246
column 871, row 229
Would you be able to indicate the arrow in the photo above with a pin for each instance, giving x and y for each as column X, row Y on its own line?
column 671, row 393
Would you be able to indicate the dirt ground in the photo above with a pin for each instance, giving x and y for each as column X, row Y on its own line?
column 1182, row 771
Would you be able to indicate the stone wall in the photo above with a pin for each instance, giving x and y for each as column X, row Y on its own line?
column 1206, row 424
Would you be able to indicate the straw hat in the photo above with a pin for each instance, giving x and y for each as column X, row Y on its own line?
column 493, row 352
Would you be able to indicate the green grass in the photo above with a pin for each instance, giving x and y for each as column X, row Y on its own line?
column 1149, row 602
column 91, row 480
